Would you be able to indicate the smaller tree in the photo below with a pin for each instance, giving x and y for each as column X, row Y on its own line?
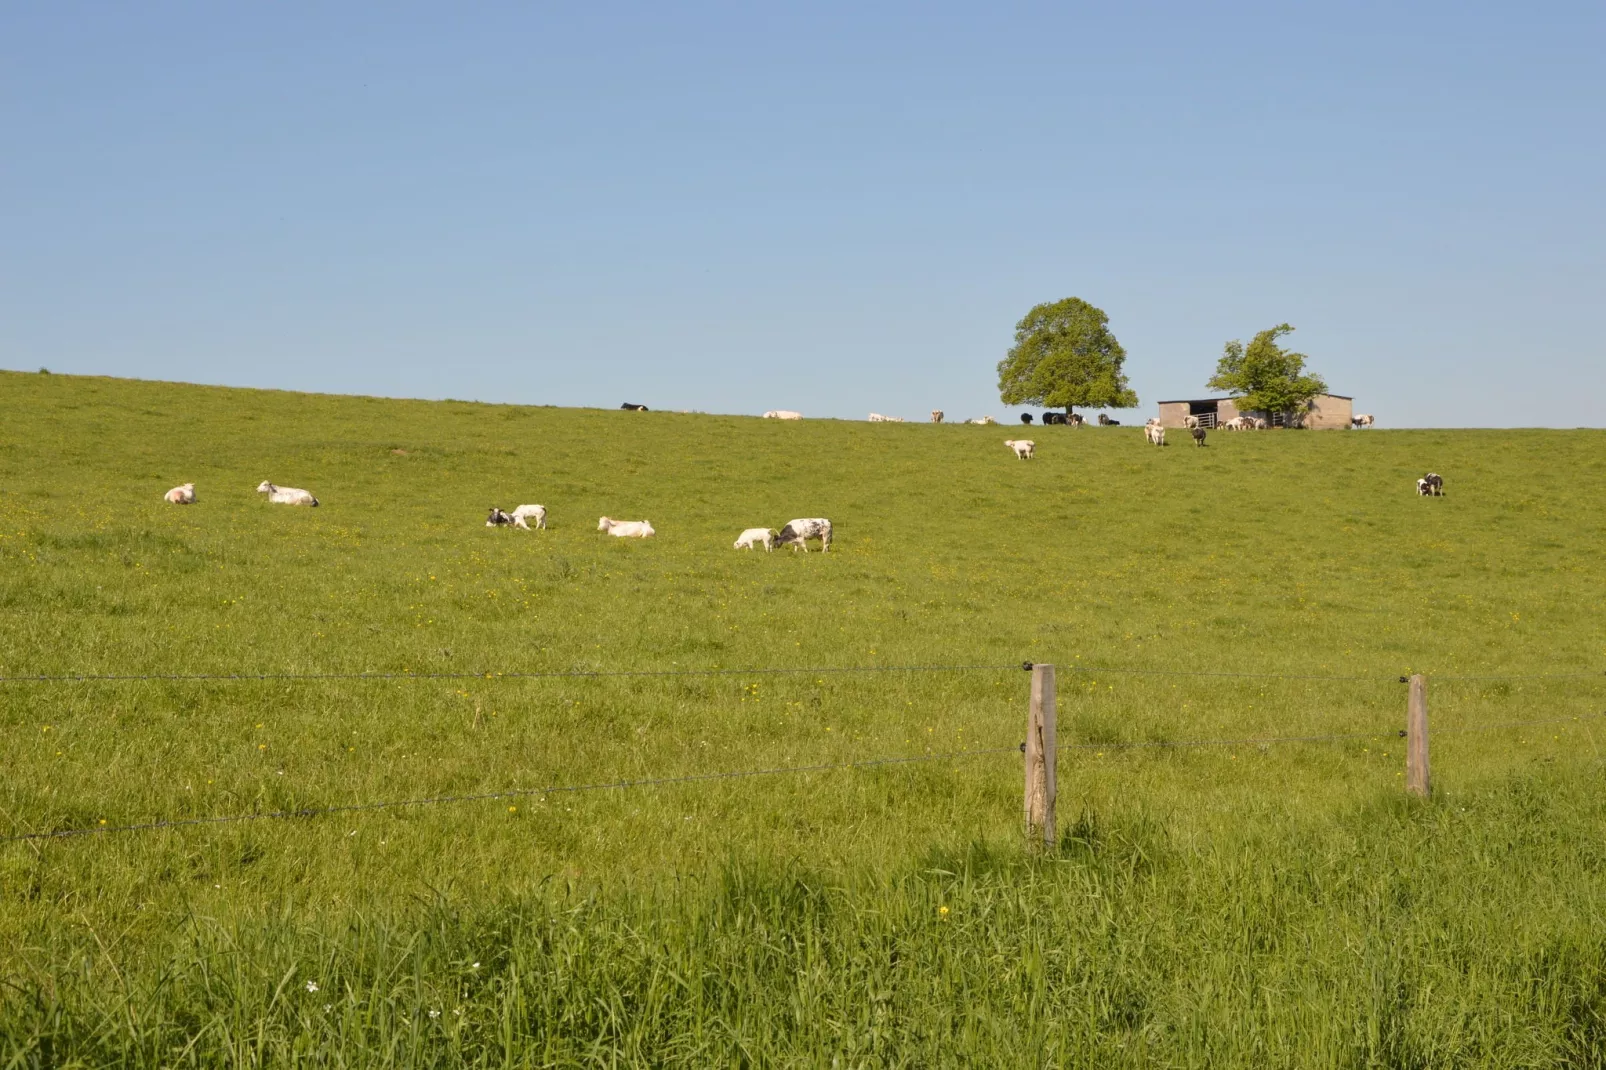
column 1265, row 377
column 1064, row 355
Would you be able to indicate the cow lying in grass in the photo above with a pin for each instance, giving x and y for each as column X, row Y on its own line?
column 182, row 495
column 286, row 495
column 626, row 529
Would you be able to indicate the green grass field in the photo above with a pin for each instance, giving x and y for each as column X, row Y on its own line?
column 1272, row 904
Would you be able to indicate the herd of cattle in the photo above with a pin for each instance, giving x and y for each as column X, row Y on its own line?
column 797, row 533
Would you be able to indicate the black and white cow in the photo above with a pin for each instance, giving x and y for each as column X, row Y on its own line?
column 629, row 407
column 797, row 533
column 1431, row 485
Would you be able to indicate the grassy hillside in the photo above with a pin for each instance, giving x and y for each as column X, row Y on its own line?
column 1270, row 904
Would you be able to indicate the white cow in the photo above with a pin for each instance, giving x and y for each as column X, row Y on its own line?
column 982, row 420
column 183, row 495
column 1237, row 423
column 1190, row 421
column 797, row 533
column 1260, row 423
column 936, row 416
column 1363, row 420
column 1154, row 432
column 1023, row 447
column 626, row 529
column 286, row 495
column 783, row 414
column 525, row 513
column 756, row 536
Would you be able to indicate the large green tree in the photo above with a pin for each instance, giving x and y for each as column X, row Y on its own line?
column 1064, row 355
column 1265, row 377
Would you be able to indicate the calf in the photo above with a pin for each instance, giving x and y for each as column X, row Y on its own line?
column 1431, row 485
column 937, row 415
column 1023, row 447
column 1154, row 433
column 182, row 495
column 1025, row 417
column 497, row 518
column 1190, row 421
column 753, row 536
column 629, row 407
column 1363, row 420
column 1198, row 436
column 797, row 533
column 1053, row 418
column 783, row 414
column 525, row 513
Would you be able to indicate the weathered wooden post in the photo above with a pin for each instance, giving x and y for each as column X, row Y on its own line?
column 1040, row 757
column 1416, row 739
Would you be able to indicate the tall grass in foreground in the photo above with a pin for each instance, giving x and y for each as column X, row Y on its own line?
column 1246, row 904
column 1463, row 932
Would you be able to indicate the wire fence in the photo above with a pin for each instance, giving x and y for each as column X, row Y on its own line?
column 822, row 670
column 694, row 778
column 513, row 793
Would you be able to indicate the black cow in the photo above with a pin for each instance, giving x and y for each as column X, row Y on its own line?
column 1025, row 417
column 1198, row 436
column 1105, row 421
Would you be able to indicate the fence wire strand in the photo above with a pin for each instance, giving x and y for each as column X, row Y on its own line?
column 514, row 793
column 565, row 674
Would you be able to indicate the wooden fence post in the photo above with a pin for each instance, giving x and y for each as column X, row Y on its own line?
column 1416, row 739
column 1040, row 757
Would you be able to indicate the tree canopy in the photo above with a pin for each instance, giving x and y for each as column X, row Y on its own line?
column 1064, row 355
column 1264, row 376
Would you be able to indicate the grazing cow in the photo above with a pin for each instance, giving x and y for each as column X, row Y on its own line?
column 1363, row 420
column 783, row 414
column 1106, row 421
column 747, row 539
column 937, row 415
column 1237, row 423
column 1260, row 423
column 626, row 529
column 183, row 495
column 525, row 513
column 797, row 533
column 1023, row 447
column 629, row 407
column 1053, row 418
column 285, row 495
column 1431, row 485
column 1025, row 417
column 1198, row 436
column 1154, row 432
column 1190, row 421
column 1075, row 419
column 497, row 518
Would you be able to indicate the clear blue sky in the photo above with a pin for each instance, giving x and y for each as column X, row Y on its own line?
column 836, row 208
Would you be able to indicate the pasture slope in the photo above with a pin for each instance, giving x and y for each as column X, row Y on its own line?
column 1245, row 905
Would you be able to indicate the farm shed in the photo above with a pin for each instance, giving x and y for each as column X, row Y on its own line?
column 1326, row 411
